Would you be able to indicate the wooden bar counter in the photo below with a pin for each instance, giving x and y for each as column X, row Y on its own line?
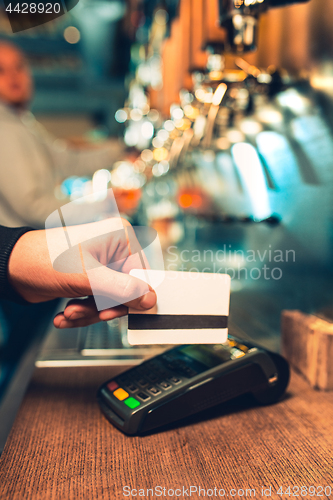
column 62, row 447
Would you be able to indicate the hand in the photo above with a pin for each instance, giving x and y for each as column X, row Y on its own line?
column 109, row 243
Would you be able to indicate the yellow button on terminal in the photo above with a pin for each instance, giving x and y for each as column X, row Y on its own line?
column 121, row 394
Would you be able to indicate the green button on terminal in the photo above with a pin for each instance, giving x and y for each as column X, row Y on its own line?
column 132, row 402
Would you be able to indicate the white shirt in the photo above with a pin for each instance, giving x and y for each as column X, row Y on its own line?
column 31, row 164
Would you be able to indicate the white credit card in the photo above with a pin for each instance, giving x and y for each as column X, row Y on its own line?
column 191, row 308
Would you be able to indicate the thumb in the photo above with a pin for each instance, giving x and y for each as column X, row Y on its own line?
column 110, row 288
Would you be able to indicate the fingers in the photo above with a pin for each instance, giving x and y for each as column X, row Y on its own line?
column 136, row 261
column 77, row 309
column 83, row 312
column 121, row 249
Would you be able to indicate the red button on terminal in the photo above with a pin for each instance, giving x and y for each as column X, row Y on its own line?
column 112, row 385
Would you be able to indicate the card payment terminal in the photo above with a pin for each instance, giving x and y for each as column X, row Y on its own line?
column 188, row 379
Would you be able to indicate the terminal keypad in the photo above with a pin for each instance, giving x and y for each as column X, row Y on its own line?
column 150, row 380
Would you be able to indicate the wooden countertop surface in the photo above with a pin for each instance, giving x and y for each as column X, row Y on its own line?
column 62, row 447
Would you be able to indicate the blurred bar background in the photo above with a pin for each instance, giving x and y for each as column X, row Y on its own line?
column 228, row 154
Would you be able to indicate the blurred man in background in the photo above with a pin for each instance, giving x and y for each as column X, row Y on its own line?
column 31, row 164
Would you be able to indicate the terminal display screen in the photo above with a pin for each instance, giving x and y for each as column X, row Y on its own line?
column 207, row 355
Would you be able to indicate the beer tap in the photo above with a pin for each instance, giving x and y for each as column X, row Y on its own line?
column 240, row 19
